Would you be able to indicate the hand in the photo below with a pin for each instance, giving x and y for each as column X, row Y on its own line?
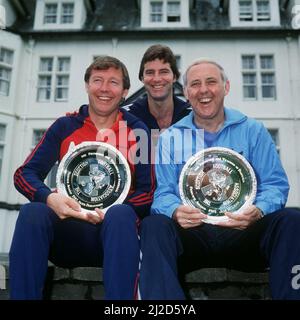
column 242, row 220
column 66, row 207
column 188, row 217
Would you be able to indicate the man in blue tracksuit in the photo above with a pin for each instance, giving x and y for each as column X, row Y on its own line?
column 53, row 226
column 175, row 238
column 158, row 72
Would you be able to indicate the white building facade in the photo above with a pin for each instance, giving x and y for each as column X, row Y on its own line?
column 46, row 45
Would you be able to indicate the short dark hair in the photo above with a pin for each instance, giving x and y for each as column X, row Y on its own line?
column 158, row 51
column 104, row 63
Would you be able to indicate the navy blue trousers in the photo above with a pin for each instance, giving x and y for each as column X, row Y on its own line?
column 168, row 251
column 41, row 235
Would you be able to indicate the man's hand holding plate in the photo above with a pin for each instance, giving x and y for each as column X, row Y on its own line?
column 241, row 220
column 188, row 217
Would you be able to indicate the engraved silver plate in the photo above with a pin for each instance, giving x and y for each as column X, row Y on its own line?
column 95, row 174
column 217, row 180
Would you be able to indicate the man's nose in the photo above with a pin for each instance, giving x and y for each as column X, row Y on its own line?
column 203, row 88
column 104, row 86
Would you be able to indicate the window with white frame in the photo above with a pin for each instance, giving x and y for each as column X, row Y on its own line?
column 67, row 13
column 2, row 145
column 51, row 177
column 59, row 13
column 254, row 10
column 258, row 74
column 275, row 136
column 6, row 64
column 263, row 11
column 53, row 73
column 62, row 79
column 173, row 11
column 165, row 12
column 50, row 13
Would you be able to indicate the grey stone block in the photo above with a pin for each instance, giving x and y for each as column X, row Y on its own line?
column 87, row 274
column 61, row 274
column 226, row 293
column 245, row 277
column 207, row 275
column 69, row 291
column 97, row 292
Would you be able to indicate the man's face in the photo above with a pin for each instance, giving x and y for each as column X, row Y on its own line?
column 105, row 91
column 158, row 79
column 206, row 90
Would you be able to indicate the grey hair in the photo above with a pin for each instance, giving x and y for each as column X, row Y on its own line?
column 204, row 60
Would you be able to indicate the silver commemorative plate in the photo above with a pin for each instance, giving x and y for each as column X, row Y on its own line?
column 217, row 180
column 95, row 174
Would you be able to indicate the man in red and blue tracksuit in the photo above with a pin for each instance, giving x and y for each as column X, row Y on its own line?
column 52, row 226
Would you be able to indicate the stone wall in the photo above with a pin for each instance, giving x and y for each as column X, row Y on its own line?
column 211, row 283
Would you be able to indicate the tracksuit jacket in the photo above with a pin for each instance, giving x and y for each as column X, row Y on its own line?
column 78, row 127
column 244, row 135
column 140, row 109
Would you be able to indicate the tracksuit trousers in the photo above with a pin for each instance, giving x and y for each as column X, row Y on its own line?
column 41, row 235
column 168, row 251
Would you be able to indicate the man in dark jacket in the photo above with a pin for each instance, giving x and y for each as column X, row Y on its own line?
column 158, row 72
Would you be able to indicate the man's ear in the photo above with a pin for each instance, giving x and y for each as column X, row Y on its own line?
column 226, row 87
column 86, row 86
column 125, row 92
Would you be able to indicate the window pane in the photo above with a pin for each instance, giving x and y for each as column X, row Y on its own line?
column 268, row 85
column 50, row 14
column 46, row 64
column 63, row 64
column 44, row 88
column 156, row 11
column 37, row 136
column 6, row 56
column 275, row 136
column 266, row 62
column 61, row 92
column 5, row 75
column 67, row 15
column 263, row 10
column 249, row 78
column 2, row 133
column 44, row 81
column 248, row 62
column 268, row 92
column 249, row 86
column 4, row 87
column 245, row 10
column 267, row 78
column 173, row 11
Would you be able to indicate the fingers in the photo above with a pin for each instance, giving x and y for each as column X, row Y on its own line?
column 73, row 204
column 188, row 217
